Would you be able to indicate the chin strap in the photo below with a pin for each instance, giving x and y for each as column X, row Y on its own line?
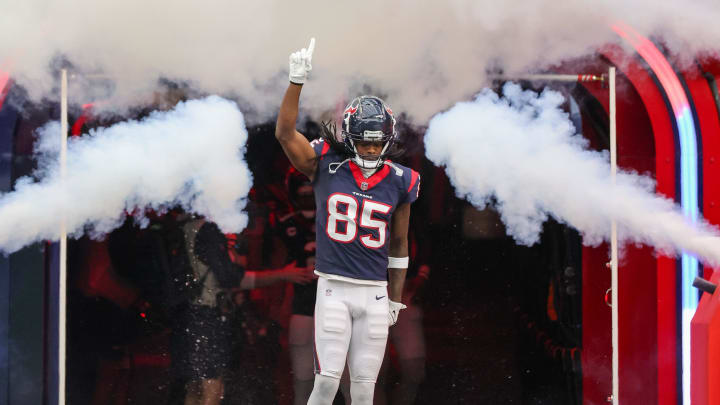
column 336, row 165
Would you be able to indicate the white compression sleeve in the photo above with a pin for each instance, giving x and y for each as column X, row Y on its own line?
column 398, row 262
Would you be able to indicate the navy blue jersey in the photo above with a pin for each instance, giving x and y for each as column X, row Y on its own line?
column 353, row 214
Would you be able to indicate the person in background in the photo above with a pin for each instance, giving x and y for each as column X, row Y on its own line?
column 201, row 343
column 297, row 231
column 101, row 291
column 408, row 340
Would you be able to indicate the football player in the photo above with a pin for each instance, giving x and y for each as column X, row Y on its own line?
column 363, row 210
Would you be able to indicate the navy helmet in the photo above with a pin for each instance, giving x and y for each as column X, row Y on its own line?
column 368, row 118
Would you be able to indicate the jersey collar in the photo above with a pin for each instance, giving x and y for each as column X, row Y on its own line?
column 365, row 184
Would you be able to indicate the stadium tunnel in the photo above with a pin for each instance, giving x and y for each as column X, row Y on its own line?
column 538, row 315
column 493, row 332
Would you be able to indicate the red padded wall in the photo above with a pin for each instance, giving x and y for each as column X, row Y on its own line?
column 705, row 330
column 637, row 271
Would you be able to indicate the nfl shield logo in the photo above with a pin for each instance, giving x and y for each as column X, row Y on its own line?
column 363, row 186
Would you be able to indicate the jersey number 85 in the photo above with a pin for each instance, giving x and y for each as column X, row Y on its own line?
column 343, row 208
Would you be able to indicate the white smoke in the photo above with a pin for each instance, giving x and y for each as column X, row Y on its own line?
column 192, row 156
column 421, row 55
column 521, row 153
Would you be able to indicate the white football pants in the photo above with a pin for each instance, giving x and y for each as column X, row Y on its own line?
column 351, row 322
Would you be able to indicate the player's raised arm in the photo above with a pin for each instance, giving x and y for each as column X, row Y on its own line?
column 296, row 146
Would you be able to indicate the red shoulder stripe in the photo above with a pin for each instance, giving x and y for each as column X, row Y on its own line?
column 413, row 179
column 326, row 147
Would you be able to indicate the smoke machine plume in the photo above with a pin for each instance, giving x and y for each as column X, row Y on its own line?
column 521, row 154
column 423, row 56
column 192, row 156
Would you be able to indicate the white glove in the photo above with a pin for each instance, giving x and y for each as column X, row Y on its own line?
column 301, row 63
column 394, row 312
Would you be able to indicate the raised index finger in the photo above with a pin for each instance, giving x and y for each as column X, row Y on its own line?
column 311, row 47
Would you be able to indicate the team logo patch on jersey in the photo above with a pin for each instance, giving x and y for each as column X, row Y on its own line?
column 364, row 186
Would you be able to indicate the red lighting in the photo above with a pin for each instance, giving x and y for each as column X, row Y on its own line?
column 4, row 85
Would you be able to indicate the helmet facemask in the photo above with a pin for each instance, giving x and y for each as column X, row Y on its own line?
column 369, row 161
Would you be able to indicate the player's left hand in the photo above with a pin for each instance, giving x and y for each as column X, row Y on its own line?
column 394, row 311
column 301, row 63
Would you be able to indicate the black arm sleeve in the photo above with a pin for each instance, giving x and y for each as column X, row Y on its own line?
column 211, row 249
